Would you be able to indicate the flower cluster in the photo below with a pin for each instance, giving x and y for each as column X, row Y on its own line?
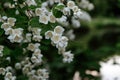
column 14, row 35
column 34, row 23
column 56, row 37
column 36, row 56
column 86, row 5
column 7, row 72
column 28, row 69
column 77, row 13
column 36, row 34
column 68, row 57
column 44, row 15
column 60, row 42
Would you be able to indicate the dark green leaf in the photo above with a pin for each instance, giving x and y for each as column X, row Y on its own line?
column 57, row 12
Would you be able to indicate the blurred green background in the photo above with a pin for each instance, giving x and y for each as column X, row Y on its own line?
column 95, row 41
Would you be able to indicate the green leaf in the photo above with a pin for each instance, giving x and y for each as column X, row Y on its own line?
column 60, row 7
column 21, row 1
column 57, row 11
column 22, row 22
column 1, row 30
column 34, row 22
column 32, row 7
column 6, row 51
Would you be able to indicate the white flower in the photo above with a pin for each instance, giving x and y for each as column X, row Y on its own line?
column 51, row 2
column 33, row 47
column 29, row 13
column 63, row 21
column 85, row 16
column 37, row 38
column 36, row 31
column 48, row 34
column 8, row 31
column 43, row 74
column 78, row 14
column 44, row 11
column 36, row 34
column 16, row 35
column 38, row 11
column 40, row 57
column 84, row 4
column 8, row 59
column 17, row 12
column 56, row 38
column 9, row 5
column 70, row 4
column 9, row 69
column 52, row 18
column 4, row 17
column 44, row 4
column 64, row 38
column 31, row 2
column 75, row 23
column 15, row 38
column 37, row 57
column 8, row 76
column 75, row 9
column 59, row 30
column 18, row 66
column 5, row 26
column 70, row 35
column 44, row 19
column 31, row 73
column 90, row 6
column 11, row 21
column 34, row 59
column 37, row 53
column 28, row 37
column 26, row 61
column 68, row 57
column 62, row 43
column 2, row 71
column 17, row 31
column 26, row 69
column 66, row 11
